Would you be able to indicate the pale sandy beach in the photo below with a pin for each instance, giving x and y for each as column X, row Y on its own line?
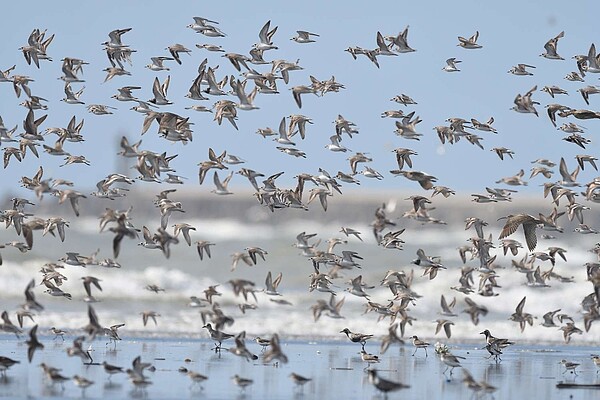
column 335, row 368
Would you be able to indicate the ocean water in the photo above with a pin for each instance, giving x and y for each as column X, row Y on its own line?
column 124, row 295
column 334, row 367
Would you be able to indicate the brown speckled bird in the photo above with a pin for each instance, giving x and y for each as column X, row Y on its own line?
column 529, row 224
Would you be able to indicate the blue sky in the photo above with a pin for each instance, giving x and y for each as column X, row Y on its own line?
column 511, row 32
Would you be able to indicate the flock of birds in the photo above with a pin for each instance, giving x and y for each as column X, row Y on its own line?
column 237, row 94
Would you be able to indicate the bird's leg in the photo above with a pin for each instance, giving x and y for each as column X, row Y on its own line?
column 217, row 347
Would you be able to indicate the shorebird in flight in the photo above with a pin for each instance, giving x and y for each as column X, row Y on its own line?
column 470, row 43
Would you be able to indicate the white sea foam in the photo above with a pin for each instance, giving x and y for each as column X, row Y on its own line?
column 184, row 275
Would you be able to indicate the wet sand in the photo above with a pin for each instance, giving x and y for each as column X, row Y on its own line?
column 335, row 368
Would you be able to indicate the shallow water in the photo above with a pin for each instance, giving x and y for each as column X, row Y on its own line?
column 335, row 367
